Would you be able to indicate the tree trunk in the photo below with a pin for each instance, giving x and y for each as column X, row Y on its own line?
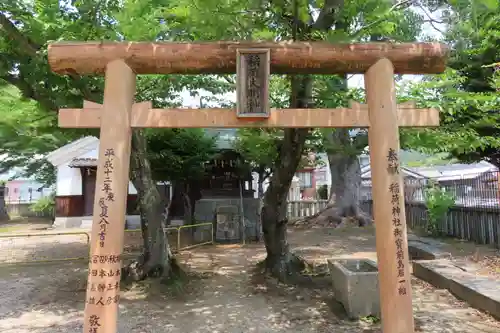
column 280, row 262
column 188, row 207
column 177, row 202
column 260, row 184
column 344, row 199
column 260, row 196
column 344, row 202
column 194, row 194
column 345, row 172
column 346, row 183
column 145, row 236
column 3, row 208
column 188, row 211
column 157, row 259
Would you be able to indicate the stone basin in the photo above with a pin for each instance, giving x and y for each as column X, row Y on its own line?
column 355, row 284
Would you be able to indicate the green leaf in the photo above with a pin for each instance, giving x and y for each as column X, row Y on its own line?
column 490, row 4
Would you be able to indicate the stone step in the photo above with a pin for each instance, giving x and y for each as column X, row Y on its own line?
column 420, row 250
column 480, row 292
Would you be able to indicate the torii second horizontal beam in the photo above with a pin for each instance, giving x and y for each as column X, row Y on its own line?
column 220, row 57
column 143, row 116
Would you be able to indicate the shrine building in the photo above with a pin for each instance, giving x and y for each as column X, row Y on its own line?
column 223, row 188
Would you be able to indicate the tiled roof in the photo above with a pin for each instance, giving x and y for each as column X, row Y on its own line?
column 456, row 171
column 73, row 150
column 367, row 174
column 83, row 162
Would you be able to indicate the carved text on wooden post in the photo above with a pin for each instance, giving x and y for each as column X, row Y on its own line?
column 398, row 227
column 252, row 83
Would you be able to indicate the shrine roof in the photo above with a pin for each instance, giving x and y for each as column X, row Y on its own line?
column 83, row 162
column 72, row 150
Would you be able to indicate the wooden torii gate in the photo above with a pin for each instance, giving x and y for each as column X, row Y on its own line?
column 121, row 62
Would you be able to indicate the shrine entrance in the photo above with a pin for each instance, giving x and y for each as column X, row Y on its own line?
column 253, row 63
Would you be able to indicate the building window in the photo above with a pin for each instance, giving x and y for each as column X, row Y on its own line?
column 305, row 179
column 320, row 176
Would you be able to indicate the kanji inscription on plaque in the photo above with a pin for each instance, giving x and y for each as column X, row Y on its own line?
column 252, row 77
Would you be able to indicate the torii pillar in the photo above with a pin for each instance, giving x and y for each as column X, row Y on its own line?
column 110, row 202
column 388, row 200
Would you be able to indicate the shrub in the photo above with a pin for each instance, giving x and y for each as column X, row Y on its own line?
column 323, row 192
column 45, row 205
column 438, row 202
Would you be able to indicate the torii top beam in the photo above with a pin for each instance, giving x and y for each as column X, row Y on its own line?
column 220, row 57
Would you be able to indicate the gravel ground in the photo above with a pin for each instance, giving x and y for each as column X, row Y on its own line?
column 224, row 294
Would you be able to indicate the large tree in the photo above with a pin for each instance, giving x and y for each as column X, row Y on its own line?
column 334, row 21
column 179, row 156
column 467, row 94
column 28, row 26
column 26, row 29
column 355, row 22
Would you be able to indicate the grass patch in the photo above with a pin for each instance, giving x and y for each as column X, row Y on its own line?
column 371, row 319
column 8, row 229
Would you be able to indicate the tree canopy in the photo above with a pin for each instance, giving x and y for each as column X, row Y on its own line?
column 467, row 93
column 179, row 154
column 31, row 93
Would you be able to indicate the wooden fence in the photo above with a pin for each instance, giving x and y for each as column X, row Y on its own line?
column 23, row 209
column 477, row 224
column 304, row 208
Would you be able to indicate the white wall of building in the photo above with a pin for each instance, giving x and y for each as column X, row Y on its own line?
column 293, row 193
column 69, row 180
column 322, row 173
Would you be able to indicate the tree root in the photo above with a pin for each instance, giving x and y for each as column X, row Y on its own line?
column 142, row 269
column 294, row 271
column 286, row 269
column 332, row 216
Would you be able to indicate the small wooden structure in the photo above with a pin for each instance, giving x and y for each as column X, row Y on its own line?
column 121, row 62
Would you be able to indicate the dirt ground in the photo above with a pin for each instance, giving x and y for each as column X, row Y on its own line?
column 25, row 224
column 225, row 294
column 324, row 243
